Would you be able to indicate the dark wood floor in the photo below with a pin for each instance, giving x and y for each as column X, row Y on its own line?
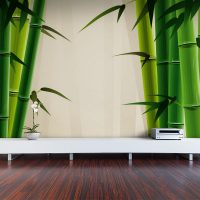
column 104, row 177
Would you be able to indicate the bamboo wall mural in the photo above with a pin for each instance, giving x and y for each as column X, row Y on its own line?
column 198, row 38
column 36, row 27
column 19, row 32
column 16, row 71
column 27, row 72
column 170, row 60
column 189, row 75
column 175, row 111
column 8, row 57
column 4, row 69
column 162, row 51
column 149, row 70
column 177, row 77
column 147, row 54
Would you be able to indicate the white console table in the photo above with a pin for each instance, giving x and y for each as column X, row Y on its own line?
column 70, row 146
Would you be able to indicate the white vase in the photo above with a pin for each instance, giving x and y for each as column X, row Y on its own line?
column 32, row 136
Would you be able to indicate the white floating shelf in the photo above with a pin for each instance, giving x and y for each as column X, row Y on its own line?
column 98, row 145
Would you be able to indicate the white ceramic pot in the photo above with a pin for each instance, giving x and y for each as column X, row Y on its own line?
column 32, row 136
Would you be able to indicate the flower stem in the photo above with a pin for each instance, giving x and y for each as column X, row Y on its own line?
column 33, row 118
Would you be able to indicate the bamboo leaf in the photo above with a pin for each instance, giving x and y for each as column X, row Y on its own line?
column 24, row 8
column 121, row 10
column 148, row 8
column 24, row 15
column 144, row 62
column 108, row 11
column 153, row 107
column 17, row 59
column 190, row 6
column 50, row 90
column 151, row 6
column 164, row 96
column 198, row 41
column 13, row 22
column 178, row 23
column 195, row 8
column 43, row 107
column 47, row 33
column 161, row 106
column 143, row 13
column 141, row 103
column 173, row 100
column 141, row 54
column 161, row 109
column 54, row 31
column 173, row 8
column 169, row 24
column 11, row 9
column 187, row 13
column 13, row 57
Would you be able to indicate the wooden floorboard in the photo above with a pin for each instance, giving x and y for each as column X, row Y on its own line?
column 99, row 177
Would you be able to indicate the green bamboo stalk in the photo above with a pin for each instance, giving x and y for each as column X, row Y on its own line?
column 175, row 112
column 162, row 51
column 4, row 72
column 199, row 38
column 27, row 72
column 189, row 76
column 149, row 70
column 18, row 46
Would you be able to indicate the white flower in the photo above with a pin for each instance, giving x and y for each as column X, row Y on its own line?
column 35, row 103
column 35, row 110
column 35, row 106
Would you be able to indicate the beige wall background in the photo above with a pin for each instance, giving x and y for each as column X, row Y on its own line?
column 86, row 71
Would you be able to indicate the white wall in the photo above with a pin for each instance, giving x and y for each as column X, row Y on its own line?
column 86, row 71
